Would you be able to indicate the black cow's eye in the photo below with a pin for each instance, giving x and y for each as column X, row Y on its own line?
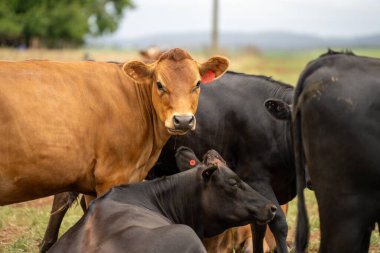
column 160, row 86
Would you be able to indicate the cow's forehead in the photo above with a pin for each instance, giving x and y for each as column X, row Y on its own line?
column 169, row 71
column 226, row 173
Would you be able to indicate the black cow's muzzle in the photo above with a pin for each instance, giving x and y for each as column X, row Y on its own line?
column 270, row 212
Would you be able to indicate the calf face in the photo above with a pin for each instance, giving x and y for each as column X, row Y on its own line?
column 176, row 80
column 226, row 199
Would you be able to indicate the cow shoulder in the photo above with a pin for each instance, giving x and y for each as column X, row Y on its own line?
column 179, row 238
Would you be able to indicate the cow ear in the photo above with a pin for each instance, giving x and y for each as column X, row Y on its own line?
column 279, row 109
column 207, row 173
column 213, row 157
column 139, row 71
column 213, row 68
column 186, row 158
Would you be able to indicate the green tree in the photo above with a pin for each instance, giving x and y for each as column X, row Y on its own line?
column 58, row 23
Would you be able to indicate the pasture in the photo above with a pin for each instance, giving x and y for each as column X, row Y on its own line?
column 22, row 225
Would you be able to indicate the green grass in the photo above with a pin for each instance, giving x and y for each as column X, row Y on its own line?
column 22, row 226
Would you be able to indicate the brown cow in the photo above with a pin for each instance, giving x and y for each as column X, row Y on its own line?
column 87, row 126
column 239, row 239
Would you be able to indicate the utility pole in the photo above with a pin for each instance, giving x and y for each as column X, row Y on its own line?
column 214, row 32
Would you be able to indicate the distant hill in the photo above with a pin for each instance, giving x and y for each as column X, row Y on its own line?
column 263, row 41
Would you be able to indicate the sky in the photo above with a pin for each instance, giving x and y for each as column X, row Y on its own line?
column 323, row 18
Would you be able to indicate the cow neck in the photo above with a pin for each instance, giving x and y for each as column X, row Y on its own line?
column 160, row 133
column 285, row 143
column 288, row 150
column 178, row 198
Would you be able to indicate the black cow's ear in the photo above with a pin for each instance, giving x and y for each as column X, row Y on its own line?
column 207, row 173
column 212, row 157
column 278, row 109
column 185, row 158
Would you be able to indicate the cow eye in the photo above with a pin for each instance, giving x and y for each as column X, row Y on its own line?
column 197, row 86
column 160, row 87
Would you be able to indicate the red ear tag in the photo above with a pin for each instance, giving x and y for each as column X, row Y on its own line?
column 208, row 77
column 192, row 163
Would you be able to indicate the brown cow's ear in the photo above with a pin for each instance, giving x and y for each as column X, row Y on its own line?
column 207, row 173
column 139, row 71
column 213, row 68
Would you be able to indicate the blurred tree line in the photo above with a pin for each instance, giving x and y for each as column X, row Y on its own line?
column 57, row 23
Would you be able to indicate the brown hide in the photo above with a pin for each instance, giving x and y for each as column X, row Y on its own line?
column 87, row 126
column 239, row 239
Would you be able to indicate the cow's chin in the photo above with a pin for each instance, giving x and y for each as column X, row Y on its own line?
column 172, row 131
column 264, row 221
column 261, row 223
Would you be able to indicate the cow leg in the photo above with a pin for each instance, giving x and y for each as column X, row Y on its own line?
column 346, row 236
column 61, row 204
column 248, row 247
column 345, row 227
column 278, row 225
column 88, row 199
column 279, row 228
column 258, row 233
column 366, row 241
column 83, row 204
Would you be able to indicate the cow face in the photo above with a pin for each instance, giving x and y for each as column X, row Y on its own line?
column 176, row 80
column 225, row 197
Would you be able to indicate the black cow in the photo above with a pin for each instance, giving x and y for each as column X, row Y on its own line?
column 157, row 215
column 336, row 118
column 231, row 118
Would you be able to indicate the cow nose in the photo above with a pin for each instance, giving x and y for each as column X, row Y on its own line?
column 273, row 209
column 183, row 123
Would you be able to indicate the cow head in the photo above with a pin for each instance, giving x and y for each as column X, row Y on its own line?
column 176, row 80
column 226, row 201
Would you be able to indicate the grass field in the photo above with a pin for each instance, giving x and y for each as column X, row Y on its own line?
column 22, row 225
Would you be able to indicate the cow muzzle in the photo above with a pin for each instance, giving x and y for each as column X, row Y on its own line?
column 181, row 124
column 268, row 215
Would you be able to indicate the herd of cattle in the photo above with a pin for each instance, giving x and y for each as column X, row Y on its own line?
column 100, row 129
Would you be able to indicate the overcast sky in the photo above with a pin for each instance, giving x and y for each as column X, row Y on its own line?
column 325, row 18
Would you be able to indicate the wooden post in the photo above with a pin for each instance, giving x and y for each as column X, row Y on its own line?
column 214, row 32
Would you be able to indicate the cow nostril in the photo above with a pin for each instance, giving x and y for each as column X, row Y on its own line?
column 191, row 121
column 273, row 209
column 176, row 121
